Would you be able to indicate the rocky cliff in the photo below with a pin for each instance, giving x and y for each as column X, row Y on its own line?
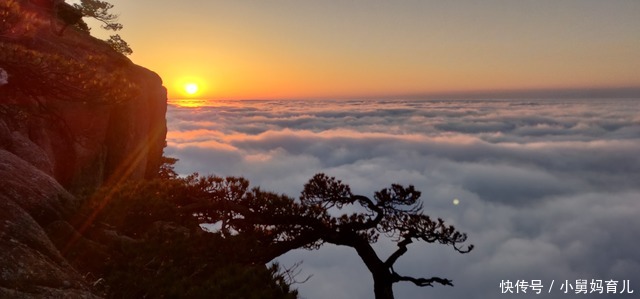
column 74, row 115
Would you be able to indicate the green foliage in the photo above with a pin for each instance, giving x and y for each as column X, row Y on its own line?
column 81, row 77
column 118, row 44
column 70, row 15
column 16, row 21
column 165, row 253
column 190, row 268
column 167, row 168
column 131, row 209
column 324, row 214
column 9, row 15
column 100, row 10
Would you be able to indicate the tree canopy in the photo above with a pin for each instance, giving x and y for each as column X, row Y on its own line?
column 134, row 242
column 101, row 11
column 167, row 250
column 280, row 224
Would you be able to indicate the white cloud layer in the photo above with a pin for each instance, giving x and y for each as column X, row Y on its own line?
column 548, row 189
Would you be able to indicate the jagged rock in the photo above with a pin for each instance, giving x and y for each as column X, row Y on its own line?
column 33, row 191
column 79, row 251
column 75, row 108
column 74, row 115
column 30, row 264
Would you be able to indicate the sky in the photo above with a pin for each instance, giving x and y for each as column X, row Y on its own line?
column 366, row 49
column 547, row 189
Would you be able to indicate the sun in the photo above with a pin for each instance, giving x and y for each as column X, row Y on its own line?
column 191, row 88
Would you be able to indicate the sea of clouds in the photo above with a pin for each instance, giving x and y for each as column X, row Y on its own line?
column 549, row 189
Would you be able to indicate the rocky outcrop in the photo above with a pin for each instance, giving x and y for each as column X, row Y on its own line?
column 74, row 108
column 74, row 115
column 30, row 265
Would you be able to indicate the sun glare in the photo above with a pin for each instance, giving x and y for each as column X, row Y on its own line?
column 191, row 88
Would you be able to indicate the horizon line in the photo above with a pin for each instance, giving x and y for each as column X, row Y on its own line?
column 629, row 92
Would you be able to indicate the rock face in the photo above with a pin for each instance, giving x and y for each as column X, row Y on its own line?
column 30, row 265
column 74, row 108
column 74, row 115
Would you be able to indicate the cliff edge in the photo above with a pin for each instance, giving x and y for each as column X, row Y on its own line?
column 74, row 115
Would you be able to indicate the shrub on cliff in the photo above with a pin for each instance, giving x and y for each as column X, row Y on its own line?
column 15, row 21
column 101, row 11
column 173, row 254
column 326, row 212
column 157, row 250
column 38, row 72
column 190, row 268
column 9, row 15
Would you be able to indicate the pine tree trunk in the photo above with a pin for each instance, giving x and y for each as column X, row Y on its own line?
column 382, row 279
column 383, row 289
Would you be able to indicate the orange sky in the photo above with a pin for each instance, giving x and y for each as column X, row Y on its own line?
column 327, row 49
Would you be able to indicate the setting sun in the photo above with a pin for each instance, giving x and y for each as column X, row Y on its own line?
column 191, row 88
